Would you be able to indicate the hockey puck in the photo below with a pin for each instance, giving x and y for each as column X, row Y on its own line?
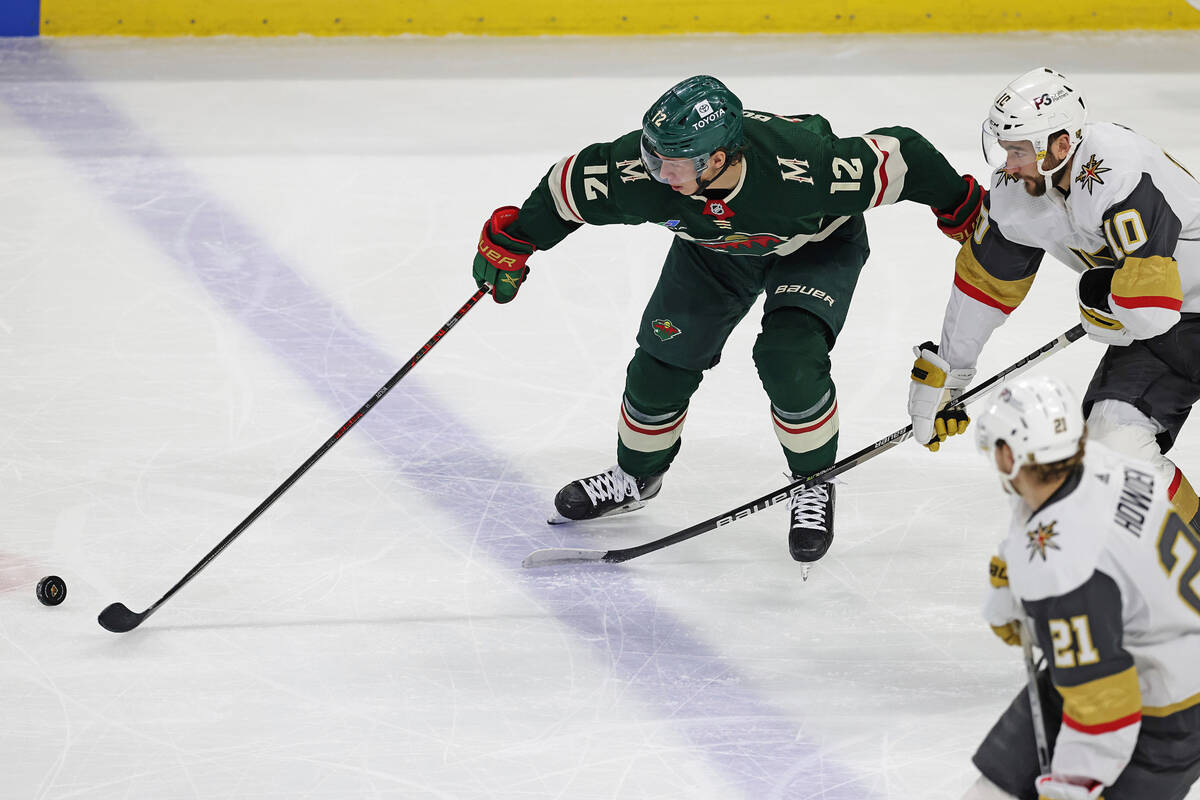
column 51, row 590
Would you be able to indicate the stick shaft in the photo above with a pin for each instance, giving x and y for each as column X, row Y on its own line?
column 316, row 456
column 866, row 454
column 1035, row 701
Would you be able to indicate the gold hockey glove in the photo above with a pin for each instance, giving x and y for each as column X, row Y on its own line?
column 1001, row 609
column 934, row 385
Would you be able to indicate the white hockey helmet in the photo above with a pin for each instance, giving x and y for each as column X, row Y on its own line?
column 1038, row 418
column 1033, row 108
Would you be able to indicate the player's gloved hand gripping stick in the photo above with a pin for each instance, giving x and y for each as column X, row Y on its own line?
column 500, row 261
column 563, row 555
column 119, row 619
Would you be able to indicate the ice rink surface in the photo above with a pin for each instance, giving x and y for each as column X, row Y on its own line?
column 212, row 252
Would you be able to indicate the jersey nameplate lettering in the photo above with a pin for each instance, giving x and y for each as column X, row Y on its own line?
column 1134, row 503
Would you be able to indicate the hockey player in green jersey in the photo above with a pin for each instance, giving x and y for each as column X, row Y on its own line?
column 1102, row 567
column 757, row 202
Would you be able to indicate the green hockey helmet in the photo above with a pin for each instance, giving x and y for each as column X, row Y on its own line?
column 695, row 118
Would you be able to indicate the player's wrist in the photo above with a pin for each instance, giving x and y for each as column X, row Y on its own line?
column 1068, row 787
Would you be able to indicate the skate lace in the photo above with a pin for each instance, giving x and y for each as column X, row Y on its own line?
column 808, row 508
column 615, row 484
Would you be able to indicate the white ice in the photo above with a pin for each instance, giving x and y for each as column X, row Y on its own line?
column 212, row 252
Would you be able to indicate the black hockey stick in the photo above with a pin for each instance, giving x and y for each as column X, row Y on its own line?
column 119, row 619
column 1035, row 701
column 564, row 555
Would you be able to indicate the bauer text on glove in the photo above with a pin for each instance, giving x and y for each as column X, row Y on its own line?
column 934, row 385
column 500, row 258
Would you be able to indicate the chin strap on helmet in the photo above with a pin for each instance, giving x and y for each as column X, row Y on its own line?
column 702, row 184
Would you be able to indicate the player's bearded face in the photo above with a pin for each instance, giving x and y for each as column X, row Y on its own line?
column 1021, row 163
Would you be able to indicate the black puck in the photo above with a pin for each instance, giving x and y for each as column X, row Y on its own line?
column 51, row 590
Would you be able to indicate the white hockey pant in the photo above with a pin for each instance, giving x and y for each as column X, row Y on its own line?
column 1120, row 426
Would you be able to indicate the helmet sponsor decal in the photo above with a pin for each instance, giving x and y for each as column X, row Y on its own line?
column 1046, row 98
column 665, row 329
column 708, row 115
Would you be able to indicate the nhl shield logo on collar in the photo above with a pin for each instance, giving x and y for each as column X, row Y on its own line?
column 719, row 209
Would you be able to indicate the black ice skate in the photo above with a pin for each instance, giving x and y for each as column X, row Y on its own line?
column 810, row 524
column 611, row 492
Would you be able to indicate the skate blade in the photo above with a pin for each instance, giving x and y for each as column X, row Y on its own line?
column 804, row 568
column 559, row 519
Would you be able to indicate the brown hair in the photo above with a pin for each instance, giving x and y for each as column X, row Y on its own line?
column 1056, row 470
column 733, row 155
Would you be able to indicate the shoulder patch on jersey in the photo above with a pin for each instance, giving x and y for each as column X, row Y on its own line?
column 632, row 170
column 794, row 169
column 1041, row 540
column 1090, row 172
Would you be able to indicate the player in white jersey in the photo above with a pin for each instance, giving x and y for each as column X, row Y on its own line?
column 1104, row 569
column 1113, row 206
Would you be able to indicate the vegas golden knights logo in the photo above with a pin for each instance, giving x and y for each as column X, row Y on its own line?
column 1042, row 540
column 1089, row 173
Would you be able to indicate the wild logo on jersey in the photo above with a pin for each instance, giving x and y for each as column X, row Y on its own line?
column 665, row 329
column 756, row 244
column 1089, row 173
column 1042, row 540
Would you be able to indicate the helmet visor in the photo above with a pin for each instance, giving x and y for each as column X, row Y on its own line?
column 675, row 171
column 1004, row 154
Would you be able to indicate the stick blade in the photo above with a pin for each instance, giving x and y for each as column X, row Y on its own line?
column 548, row 556
column 119, row 619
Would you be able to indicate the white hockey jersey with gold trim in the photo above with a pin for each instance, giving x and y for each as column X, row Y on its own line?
column 1109, row 574
column 1132, row 212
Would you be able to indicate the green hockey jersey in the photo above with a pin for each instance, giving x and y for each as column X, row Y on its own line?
column 799, row 182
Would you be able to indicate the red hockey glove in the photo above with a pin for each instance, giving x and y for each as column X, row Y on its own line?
column 500, row 260
column 958, row 222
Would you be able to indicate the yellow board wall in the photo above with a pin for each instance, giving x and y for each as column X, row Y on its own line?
column 598, row 17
